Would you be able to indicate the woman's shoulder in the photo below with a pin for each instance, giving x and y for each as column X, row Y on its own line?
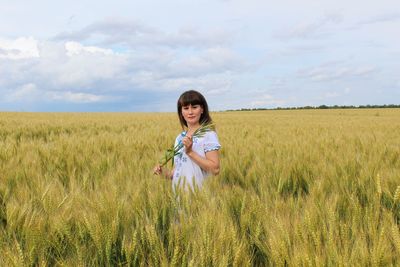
column 211, row 134
column 211, row 137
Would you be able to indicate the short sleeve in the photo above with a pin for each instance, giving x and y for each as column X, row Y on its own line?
column 211, row 142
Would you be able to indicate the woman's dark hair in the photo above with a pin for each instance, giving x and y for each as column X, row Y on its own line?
column 193, row 97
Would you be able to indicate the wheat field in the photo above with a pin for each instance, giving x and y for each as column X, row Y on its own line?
column 296, row 188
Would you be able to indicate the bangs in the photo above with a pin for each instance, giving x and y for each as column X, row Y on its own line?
column 190, row 99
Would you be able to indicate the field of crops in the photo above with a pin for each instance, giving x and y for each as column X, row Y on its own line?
column 296, row 188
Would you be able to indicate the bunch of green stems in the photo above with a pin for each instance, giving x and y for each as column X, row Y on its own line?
column 171, row 152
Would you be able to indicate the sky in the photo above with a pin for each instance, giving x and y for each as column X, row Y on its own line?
column 139, row 56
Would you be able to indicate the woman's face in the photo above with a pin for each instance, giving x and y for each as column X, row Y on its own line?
column 192, row 114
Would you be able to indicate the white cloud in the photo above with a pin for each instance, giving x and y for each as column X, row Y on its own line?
column 314, row 29
column 209, row 70
column 75, row 66
column 134, row 34
column 212, row 60
column 73, row 72
column 75, row 97
column 335, row 94
column 219, row 91
column 334, row 71
column 387, row 17
column 27, row 92
column 20, row 48
column 212, row 83
column 266, row 101
column 75, row 48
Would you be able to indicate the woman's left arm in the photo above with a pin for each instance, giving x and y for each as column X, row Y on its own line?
column 210, row 163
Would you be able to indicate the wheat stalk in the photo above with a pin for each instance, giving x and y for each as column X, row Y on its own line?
column 396, row 196
column 378, row 184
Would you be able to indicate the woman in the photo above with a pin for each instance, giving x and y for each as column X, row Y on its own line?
column 199, row 156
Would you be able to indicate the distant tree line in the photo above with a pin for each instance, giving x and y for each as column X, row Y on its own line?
column 320, row 107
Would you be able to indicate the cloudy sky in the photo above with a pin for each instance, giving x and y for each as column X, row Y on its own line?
column 141, row 55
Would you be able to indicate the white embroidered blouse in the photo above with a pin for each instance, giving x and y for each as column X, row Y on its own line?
column 188, row 172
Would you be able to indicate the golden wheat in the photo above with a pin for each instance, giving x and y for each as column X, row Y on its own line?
column 305, row 187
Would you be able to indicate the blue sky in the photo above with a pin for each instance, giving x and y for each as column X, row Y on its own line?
column 141, row 55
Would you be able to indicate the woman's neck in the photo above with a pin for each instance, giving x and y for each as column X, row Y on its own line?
column 192, row 128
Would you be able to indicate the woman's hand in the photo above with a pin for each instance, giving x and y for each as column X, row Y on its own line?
column 159, row 170
column 188, row 143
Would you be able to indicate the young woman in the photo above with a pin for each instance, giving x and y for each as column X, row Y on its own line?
column 199, row 157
